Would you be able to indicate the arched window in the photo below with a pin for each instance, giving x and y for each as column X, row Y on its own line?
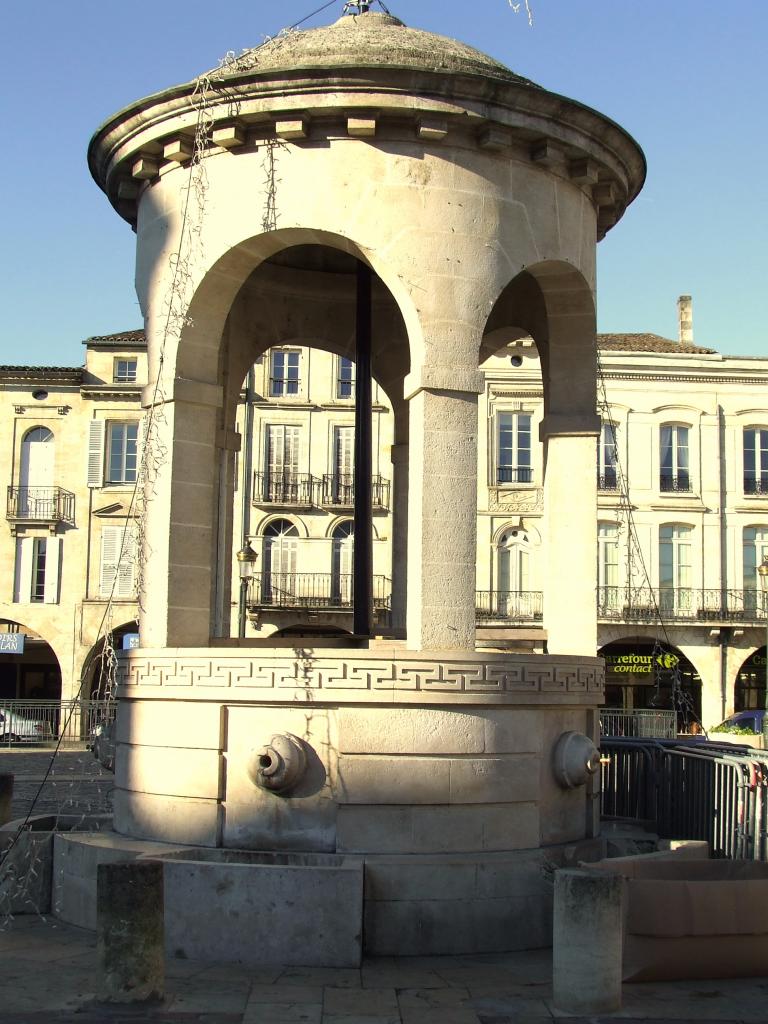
column 278, row 576
column 673, row 458
column 36, row 474
column 754, row 549
column 342, row 541
column 514, row 595
column 675, row 570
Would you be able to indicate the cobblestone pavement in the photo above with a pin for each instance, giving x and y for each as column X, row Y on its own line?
column 77, row 784
column 48, row 974
column 48, row 969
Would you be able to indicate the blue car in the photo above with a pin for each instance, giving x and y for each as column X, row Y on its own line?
column 744, row 720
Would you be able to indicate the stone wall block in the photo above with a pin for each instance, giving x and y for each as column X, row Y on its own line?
column 494, row 780
column 177, row 819
column 407, row 879
column 178, row 772
column 177, row 724
column 410, row 731
column 393, row 780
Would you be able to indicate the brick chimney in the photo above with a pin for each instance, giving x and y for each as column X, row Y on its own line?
column 685, row 320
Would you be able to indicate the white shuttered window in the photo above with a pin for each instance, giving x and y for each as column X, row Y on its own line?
column 118, row 550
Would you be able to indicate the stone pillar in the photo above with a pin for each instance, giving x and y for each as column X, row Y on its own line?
column 129, row 932
column 570, row 533
column 399, row 546
column 6, row 796
column 180, row 548
column 442, row 508
column 587, row 942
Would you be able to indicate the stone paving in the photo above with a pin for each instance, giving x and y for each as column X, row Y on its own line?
column 48, row 969
column 77, row 784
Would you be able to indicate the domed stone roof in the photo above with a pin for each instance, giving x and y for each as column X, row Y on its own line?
column 369, row 40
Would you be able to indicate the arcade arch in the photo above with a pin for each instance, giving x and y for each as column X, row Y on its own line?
column 31, row 671
column 643, row 673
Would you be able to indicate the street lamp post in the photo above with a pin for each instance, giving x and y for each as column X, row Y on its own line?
column 762, row 570
column 246, row 563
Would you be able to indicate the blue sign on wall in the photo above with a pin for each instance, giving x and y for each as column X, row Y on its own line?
column 130, row 641
column 12, row 643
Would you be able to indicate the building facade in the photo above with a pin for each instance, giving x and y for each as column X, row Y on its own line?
column 681, row 523
column 70, row 464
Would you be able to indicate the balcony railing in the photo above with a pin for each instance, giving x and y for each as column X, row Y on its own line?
column 280, row 387
column 607, row 481
column 41, row 504
column 669, row 482
column 339, row 490
column 755, row 485
column 514, row 475
column 660, row 724
column 296, row 489
column 681, row 604
column 508, row 605
column 314, row 590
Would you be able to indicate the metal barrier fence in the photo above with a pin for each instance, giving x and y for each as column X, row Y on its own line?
column 690, row 790
column 643, row 722
column 43, row 723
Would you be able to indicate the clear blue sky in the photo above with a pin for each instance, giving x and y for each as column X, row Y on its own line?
column 686, row 78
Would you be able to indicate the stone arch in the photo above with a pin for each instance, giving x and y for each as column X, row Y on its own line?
column 552, row 303
column 98, row 666
column 34, row 674
column 287, row 284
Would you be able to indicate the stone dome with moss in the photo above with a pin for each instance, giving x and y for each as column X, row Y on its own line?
column 370, row 40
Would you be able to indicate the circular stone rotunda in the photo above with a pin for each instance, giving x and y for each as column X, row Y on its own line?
column 388, row 194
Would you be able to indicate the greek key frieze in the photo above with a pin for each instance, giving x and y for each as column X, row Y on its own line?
column 503, row 675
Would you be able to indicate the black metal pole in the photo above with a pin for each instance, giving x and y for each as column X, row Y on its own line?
column 363, row 549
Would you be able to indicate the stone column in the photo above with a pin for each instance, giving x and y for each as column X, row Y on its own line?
column 570, row 533
column 399, row 455
column 442, row 508
column 179, row 554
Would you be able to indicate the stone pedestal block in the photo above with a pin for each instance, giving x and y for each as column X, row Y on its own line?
column 587, row 942
column 130, row 936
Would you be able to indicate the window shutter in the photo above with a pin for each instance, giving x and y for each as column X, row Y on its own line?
column 125, row 585
column 53, row 551
column 95, row 453
column 22, row 586
column 118, row 549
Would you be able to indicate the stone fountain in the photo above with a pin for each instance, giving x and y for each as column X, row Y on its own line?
column 390, row 194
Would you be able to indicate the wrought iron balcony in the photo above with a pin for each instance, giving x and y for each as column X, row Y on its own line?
column 514, row 475
column 41, row 505
column 508, row 605
column 755, row 484
column 287, row 489
column 339, row 490
column 669, row 482
column 679, row 604
column 607, row 481
column 311, row 590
